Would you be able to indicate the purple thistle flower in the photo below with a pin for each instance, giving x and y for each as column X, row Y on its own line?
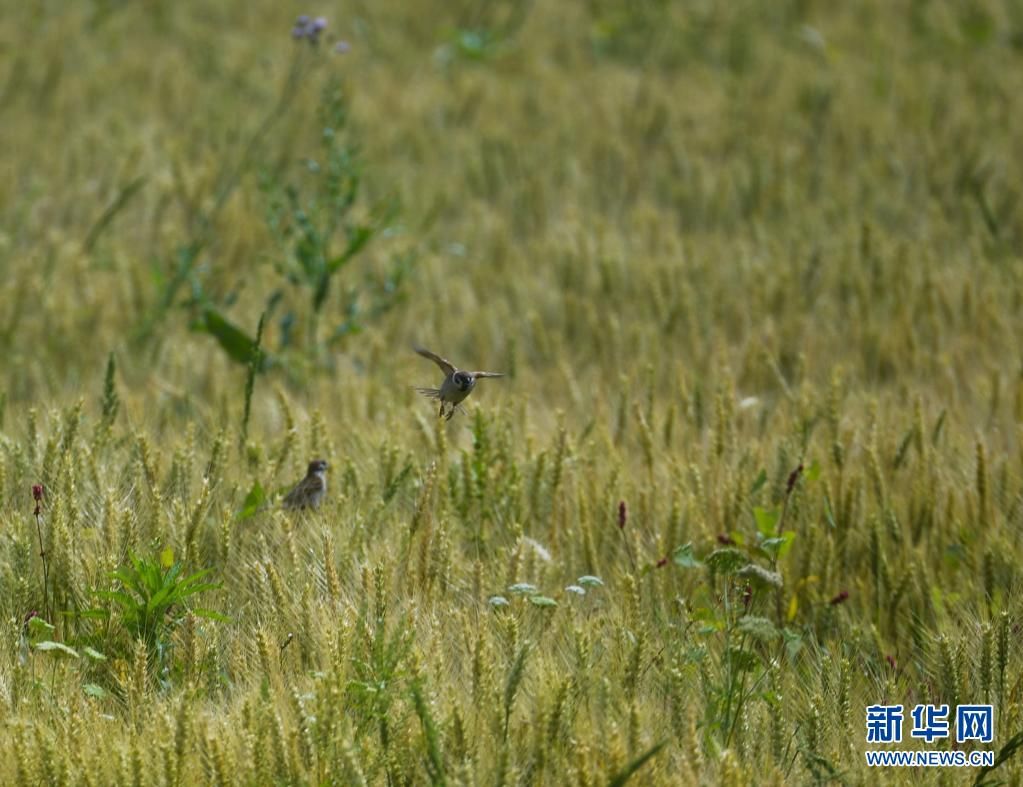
column 309, row 29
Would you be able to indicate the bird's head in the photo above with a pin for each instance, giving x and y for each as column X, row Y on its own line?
column 318, row 467
column 463, row 380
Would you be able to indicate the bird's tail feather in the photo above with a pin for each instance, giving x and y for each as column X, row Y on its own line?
column 430, row 393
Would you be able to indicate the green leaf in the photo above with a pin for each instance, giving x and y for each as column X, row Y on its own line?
column 726, row 561
column 59, row 647
column 93, row 614
column 1011, row 748
column 813, row 472
column 37, row 627
column 238, row 345
column 767, row 519
column 209, row 614
column 358, row 236
column 793, row 642
column 626, row 773
column 435, row 764
column 191, row 590
column 543, row 601
column 108, row 214
column 252, row 503
column 157, row 601
column 123, row 599
column 758, row 483
column 95, row 691
column 683, row 556
column 780, row 545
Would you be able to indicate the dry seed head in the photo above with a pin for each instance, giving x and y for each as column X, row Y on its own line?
column 277, row 587
column 330, row 569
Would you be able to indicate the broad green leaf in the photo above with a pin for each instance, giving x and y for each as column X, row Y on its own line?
column 793, row 641
column 758, row 482
column 813, row 472
column 93, row 614
column 123, row 599
column 95, row 691
column 157, row 601
column 704, row 614
column 238, row 345
column 767, row 519
column 58, row 647
column 683, row 556
column 779, row 545
column 172, row 573
column 38, row 626
column 252, row 503
column 209, row 614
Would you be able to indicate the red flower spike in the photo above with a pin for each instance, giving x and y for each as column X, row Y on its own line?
column 841, row 598
column 793, row 477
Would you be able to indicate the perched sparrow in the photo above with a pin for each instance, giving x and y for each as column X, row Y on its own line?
column 457, row 384
column 310, row 491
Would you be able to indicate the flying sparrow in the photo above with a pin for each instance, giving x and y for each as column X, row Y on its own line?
column 457, row 384
column 310, row 491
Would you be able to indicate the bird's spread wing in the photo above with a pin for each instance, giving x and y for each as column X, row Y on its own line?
column 487, row 374
column 446, row 366
column 430, row 393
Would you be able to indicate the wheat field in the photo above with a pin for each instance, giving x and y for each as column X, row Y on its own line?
column 752, row 271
